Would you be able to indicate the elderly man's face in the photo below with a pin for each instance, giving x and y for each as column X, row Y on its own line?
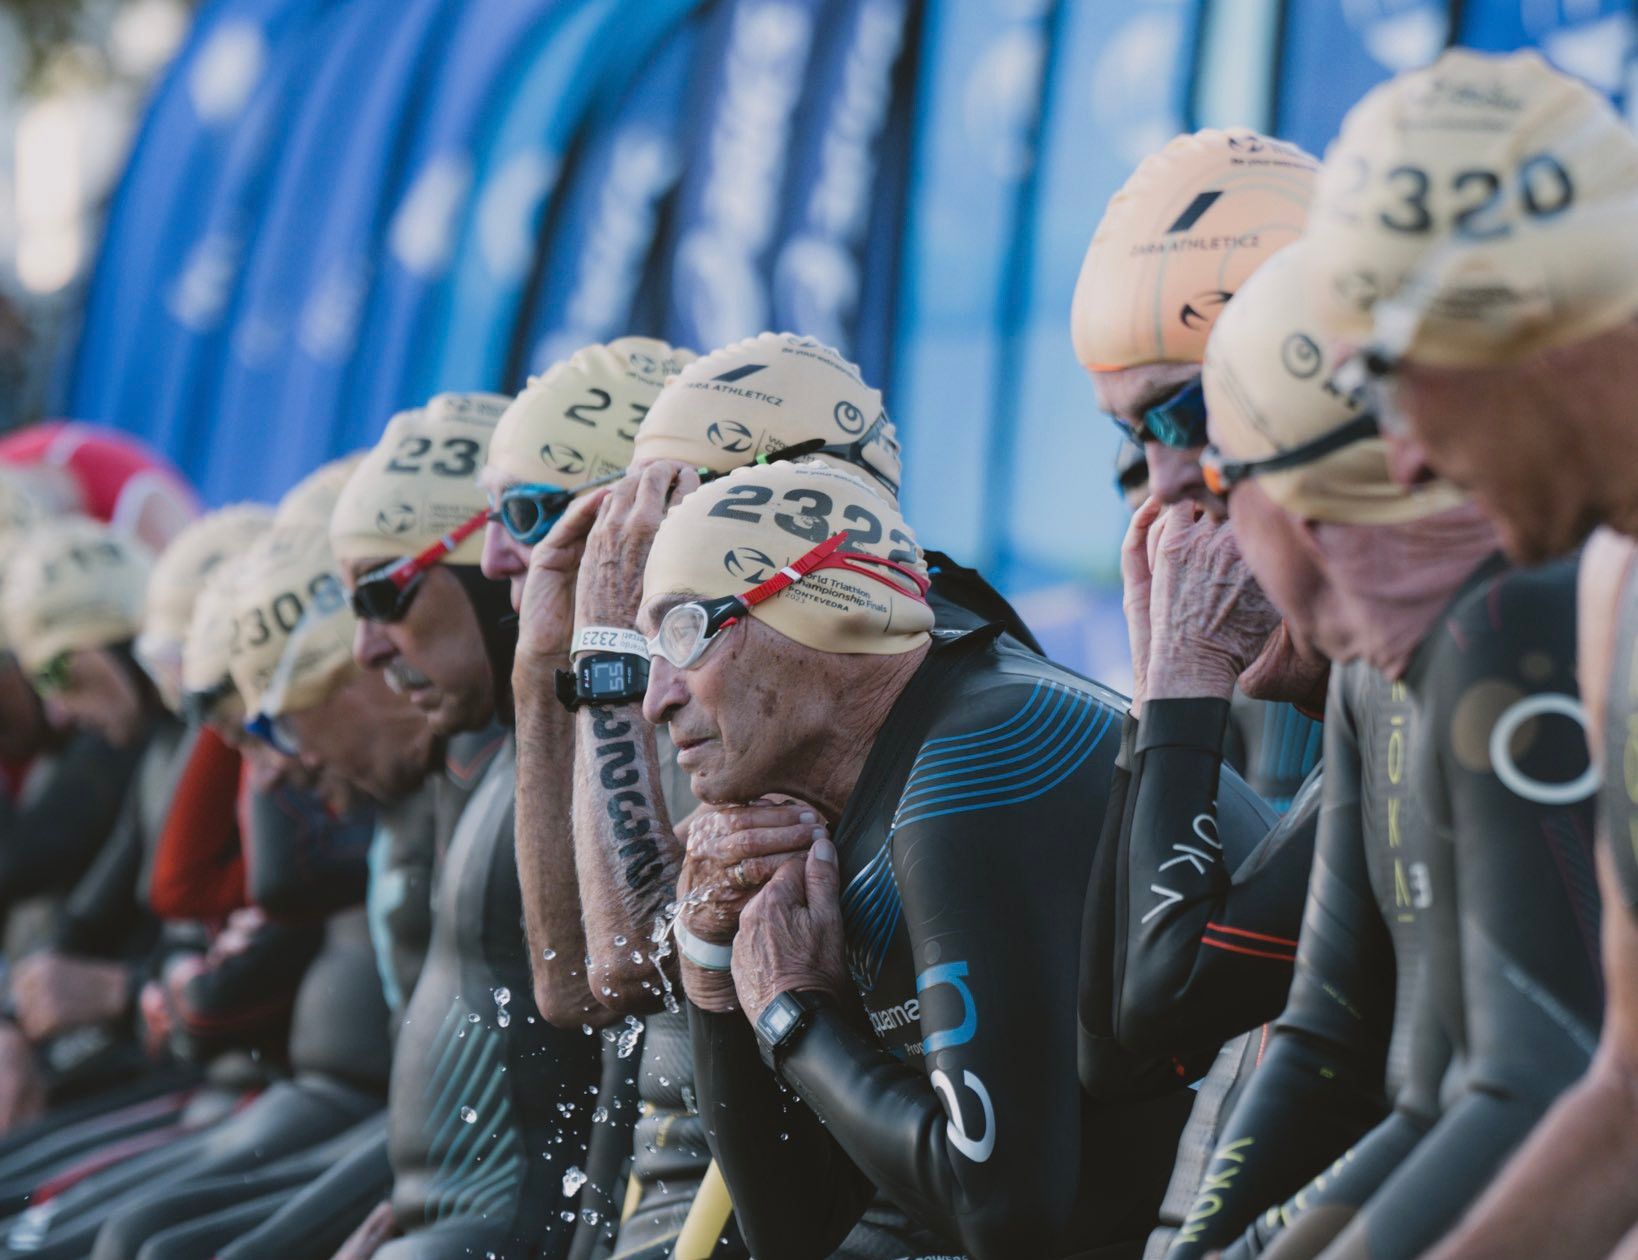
column 97, row 694
column 743, row 720
column 435, row 656
column 368, row 736
column 1126, row 394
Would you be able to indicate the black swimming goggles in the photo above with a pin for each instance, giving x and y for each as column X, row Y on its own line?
column 1222, row 475
column 384, row 595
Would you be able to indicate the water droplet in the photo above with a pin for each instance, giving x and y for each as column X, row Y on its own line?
column 473, row 1018
column 627, row 1041
column 567, row 1215
column 468, row 1116
column 600, row 1116
column 589, row 1216
column 548, row 953
column 637, row 957
column 619, row 942
column 587, row 1029
column 784, row 1137
column 573, row 1179
column 665, row 1080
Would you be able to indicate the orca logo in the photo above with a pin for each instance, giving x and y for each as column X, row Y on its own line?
column 565, row 459
column 397, row 519
column 1247, row 143
column 848, row 417
column 1202, row 308
column 1302, row 358
column 729, row 435
column 749, row 565
column 740, row 373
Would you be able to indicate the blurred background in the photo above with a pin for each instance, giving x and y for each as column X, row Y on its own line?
column 250, row 230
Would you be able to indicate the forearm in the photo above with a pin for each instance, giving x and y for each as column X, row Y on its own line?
column 1584, row 1152
column 546, row 857
column 795, row 1193
column 626, row 854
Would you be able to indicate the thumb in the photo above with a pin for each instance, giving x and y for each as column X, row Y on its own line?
column 824, row 876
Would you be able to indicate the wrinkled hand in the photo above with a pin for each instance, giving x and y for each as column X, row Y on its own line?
column 610, row 588
column 1208, row 617
column 732, row 851
column 546, row 608
column 379, row 1227
column 55, row 993
column 22, row 1092
column 790, row 936
column 243, row 927
column 1135, row 579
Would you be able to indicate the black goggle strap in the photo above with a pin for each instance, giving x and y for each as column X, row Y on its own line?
column 1355, row 430
column 794, row 451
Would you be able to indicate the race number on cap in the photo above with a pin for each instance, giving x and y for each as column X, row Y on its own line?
column 577, row 421
column 737, row 532
column 419, row 482
column 73, row 585
column 1476, row 211
column 1179, row 239
column 311, row 500
column 761, row 395
column 291, row 639
column 1270, row 382
column 191, row 558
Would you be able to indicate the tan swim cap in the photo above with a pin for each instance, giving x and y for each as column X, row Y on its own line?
column 193, row 555
column 205, row 650
column 576, row 422
column 419, row 482
column 293, row 637
column 20, row 510
column 1270, row 385
column 1476, row 212
column 761, row 395
column 737, row 532
column 73, row 585
column 311, row 500
column 1179, row 239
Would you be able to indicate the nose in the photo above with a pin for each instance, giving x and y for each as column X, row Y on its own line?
column 371, row 647
column 1174, row 475
column 500, row 560
column 1407, row 461
column 667, row 692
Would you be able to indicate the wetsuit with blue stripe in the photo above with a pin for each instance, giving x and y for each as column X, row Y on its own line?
column 948, row 1079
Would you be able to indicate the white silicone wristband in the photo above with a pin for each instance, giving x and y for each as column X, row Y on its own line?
column 703, row 953
column 608, row 639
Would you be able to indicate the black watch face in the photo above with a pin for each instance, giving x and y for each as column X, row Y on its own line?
column 780, row 1018
column 604, row 678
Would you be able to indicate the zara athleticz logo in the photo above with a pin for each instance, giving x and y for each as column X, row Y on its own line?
column 729, row 435
column 565, row 459
column 748, row 564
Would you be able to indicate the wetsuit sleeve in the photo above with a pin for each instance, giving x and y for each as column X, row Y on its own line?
column 1204, row 942
column 244, row 998
column 1319, row 1086
column 1512, row 873
column 796, row 1193
column 51, row 840
column 103, row 915
column 303, row 863
column 962, row 1140
column 198, row 866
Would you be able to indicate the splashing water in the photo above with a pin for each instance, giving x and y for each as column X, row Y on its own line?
column 628, row 1037
column 589, row 1216
column 573, row 1179
column 468, row 1116
column 503, row 1017
column 548, row 953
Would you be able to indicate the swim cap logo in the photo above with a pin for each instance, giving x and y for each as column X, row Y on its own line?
column 1194, row 210
column 740, row 373
column 565, row 459
column 1248, row 143
column 1301, row 356
column 1202, row 308
column 729, row 435
column 848, row 417
column 397, row 519
column 748, row 564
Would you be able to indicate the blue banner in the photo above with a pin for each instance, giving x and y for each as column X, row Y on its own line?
column 1333, row 51
column 754, row 65
column 977, row 110
column 604, row 229
column 1590, row 38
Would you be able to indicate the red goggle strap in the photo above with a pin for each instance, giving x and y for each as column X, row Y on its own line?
column 793, row 572
column 828, row 555
column 401, row 573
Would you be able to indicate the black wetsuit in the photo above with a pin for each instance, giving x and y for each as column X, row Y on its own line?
column 1618, row 803
column 1497, row 878
column 1190, row 932
column 491, row 1105
column 965, row 849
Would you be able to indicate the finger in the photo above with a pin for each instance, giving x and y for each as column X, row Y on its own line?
column 736, row 846
column 823, row 879
column 652, row 489
column 754, row 872
column 688, row 481
column 751, row 817
column 575, row 523
column 1135, row 544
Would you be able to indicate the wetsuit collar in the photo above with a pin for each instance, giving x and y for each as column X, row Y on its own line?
column 1492, row 565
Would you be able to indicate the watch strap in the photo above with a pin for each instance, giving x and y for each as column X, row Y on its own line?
column 608, row 639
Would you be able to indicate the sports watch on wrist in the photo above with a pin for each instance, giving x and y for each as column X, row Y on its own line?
column 782, row 1019
column 603, row 678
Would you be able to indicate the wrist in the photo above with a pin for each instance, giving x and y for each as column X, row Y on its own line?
column 709, row 990
column 1188, row 672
